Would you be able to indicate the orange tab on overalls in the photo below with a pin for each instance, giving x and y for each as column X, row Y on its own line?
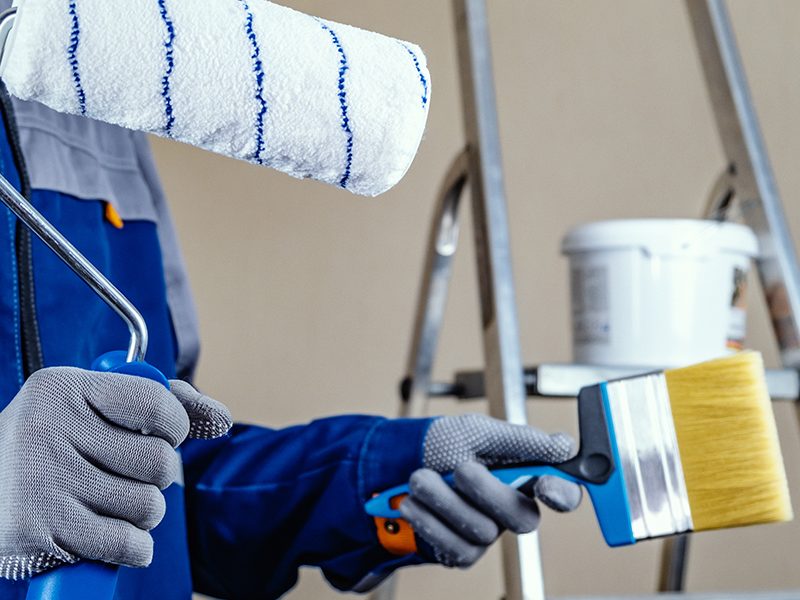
column 112, row 216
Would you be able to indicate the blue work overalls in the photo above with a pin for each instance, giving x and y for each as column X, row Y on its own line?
column 259, row 503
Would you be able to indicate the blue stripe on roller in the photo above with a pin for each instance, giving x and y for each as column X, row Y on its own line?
column 343, row 68
column 423, row 80
column 258, row 69
column 166, row 81
column 74, row 42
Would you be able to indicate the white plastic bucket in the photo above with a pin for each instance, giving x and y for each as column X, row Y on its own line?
column 658, row 292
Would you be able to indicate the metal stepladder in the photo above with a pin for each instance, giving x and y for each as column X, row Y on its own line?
column 746, row 179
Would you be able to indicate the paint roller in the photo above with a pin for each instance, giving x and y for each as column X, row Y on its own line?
column 245, row 78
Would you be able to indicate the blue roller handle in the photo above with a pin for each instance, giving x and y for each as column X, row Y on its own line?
column 88, row 580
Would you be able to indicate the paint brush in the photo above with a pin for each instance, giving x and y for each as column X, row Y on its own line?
column 665, row 453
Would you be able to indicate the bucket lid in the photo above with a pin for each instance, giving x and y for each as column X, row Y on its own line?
column 695, row 237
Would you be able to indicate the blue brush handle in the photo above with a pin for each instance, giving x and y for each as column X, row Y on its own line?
column 609, row 498
column 89, row 580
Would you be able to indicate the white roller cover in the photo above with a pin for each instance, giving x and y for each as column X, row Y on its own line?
column 245, row 78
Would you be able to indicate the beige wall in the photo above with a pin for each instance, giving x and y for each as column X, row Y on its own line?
column 306, row 293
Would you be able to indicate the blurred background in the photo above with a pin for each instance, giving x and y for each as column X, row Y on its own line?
column 306, row 293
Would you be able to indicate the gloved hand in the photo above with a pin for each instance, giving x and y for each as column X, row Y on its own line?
column 457, row 525
column 83, row 456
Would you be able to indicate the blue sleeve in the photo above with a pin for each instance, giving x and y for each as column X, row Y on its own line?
column 262, row 502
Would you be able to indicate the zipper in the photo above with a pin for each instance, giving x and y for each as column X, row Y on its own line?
column 30, row 341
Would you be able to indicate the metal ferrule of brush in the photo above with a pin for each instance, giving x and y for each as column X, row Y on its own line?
column 648, row 455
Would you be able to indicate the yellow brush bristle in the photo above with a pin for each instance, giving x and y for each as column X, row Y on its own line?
column 728, row 443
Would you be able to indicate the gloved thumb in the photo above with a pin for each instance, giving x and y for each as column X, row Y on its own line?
column 208, row 418
column 509, row 443
column 451, row 441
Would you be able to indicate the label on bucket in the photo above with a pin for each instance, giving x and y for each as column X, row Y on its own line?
column 590, row 305
column 737, row 325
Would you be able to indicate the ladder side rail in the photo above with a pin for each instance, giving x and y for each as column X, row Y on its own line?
column 504, row 383
column 674, row 557
column 748, row 178
column 748, row 171
column 431, row 304
column 432, row 299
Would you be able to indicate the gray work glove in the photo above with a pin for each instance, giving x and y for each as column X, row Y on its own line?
column 83, row 456
column 456, row 526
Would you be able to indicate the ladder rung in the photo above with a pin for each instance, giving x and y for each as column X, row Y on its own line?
column 565, row 380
